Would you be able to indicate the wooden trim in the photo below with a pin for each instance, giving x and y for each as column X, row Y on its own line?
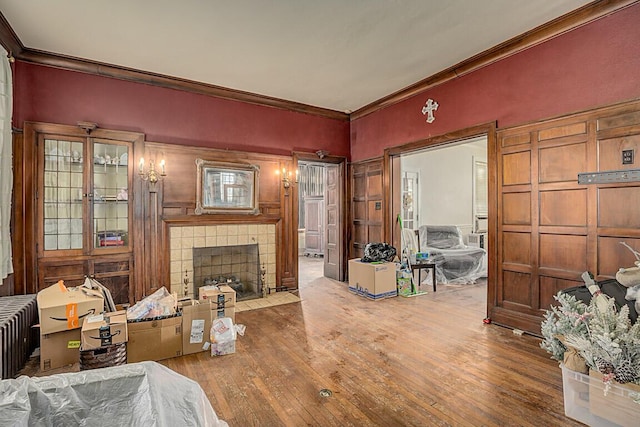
column 9, row 39
column 544, row 32
column 138, row 76
column 489, row 129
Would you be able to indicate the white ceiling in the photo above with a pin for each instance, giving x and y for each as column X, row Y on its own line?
column 335, row 54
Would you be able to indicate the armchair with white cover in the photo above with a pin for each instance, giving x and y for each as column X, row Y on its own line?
column 456, row 263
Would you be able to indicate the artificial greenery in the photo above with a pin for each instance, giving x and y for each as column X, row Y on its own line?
column 599, row 332
column 561, row 320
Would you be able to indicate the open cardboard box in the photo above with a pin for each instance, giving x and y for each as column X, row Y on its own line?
column 63, row 308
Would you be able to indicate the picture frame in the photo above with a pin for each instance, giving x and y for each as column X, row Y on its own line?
column 226, row 188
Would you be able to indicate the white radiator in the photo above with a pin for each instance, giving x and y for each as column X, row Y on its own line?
column 478, row 240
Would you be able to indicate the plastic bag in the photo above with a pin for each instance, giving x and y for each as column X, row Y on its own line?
column 158, row 304
column 374, row 252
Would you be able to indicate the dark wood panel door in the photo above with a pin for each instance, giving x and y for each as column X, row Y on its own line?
column 367, row 208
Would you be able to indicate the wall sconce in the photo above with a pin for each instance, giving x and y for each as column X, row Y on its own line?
column 151, row 175
column 286, row 177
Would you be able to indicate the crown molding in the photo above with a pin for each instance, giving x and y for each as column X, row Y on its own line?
column 547, row 31
column 9, row 39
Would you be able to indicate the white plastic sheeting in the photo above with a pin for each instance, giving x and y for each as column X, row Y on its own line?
column 139, row 394
column 455, row 262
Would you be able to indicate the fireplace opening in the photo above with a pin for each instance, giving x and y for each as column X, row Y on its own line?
column 237, row 266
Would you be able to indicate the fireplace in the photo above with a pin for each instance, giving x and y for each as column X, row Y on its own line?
column 184, row 239
column 237, row 266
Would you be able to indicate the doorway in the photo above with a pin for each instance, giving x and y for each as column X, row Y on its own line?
column 321, row 211
column 447, row 179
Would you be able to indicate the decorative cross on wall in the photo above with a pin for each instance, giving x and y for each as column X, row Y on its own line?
column 429, row 108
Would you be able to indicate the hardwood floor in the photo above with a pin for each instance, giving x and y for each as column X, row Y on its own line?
column 422, row 361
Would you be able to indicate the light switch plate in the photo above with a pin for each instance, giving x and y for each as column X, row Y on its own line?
column 627, row 157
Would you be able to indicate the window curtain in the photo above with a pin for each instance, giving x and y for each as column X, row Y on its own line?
column 6, row 164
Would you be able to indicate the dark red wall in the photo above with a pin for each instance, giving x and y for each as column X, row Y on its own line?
column 52, row 95
column 594, row 65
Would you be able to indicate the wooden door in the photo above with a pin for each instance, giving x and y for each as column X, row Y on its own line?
column 367, row 211
column 333, row 258
column 314, row 226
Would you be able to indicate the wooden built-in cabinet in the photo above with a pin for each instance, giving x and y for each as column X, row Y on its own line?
column 85, row 206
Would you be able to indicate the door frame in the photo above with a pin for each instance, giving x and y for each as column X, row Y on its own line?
column 299, row 156
column 391, row 198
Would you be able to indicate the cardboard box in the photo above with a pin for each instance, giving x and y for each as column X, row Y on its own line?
column 219, row 313
column 196, row 323
column 102, row 330
column 59, row 349
column 222, row 295
column 155, row 339
column 372, row 280
column 61, row 308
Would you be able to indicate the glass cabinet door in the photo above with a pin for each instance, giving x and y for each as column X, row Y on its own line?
column 63, row 194
column 85, row 203
column 110, row 191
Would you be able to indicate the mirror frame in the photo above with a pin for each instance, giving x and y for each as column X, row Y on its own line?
column 207, row 168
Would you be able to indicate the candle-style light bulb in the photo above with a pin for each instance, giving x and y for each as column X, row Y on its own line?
column 162, row 170
column 141, row 165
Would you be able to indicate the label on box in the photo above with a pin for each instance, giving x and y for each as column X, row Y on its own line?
column 197, row 331
column 95, row 318
column 73, row 344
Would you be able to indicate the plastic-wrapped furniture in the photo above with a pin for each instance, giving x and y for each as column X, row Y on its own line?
column 455, row 262
column 139, row 394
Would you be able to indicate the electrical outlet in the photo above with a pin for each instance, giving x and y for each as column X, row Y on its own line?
column 627, row 157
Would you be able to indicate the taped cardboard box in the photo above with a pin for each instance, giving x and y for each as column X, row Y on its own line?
column 219, row 313
column 376, row 280
column 102, row 330
column 59, row 349
column 221, row 295
column 61, row 308
column 154, row 339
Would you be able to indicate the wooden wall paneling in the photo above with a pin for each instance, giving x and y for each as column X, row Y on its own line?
column 289, row 248
column 624, row 202
column 610, row 149
column 515, row 248
column 16, row 284
column 572, row 227
column 563, row 208
column 28, row 177
column 562, row 163
column 177, row 202
column 612, row 255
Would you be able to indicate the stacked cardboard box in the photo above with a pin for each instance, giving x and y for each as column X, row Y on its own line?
column 222, row 298
column 104, row 340
column 62, row 311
